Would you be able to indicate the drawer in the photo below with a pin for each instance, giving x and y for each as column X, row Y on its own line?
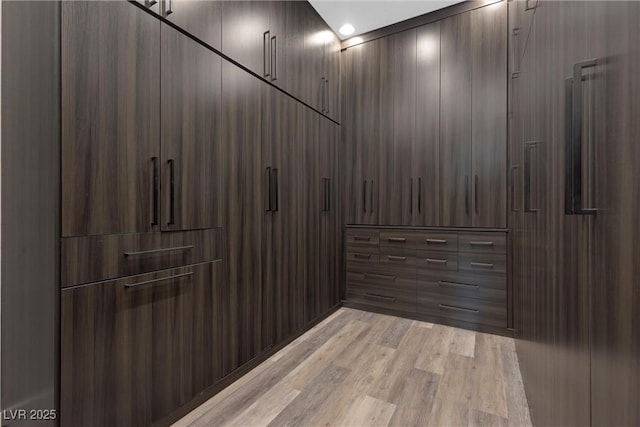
column 362, row 237
column 397, row 239
column 398, row 294
column 459, row 286
column 483, row 242
column 401, row 256
column 94, row 258
column 482, row 263
column 437, row 260
column 361, row 257
column 465, row 309
column 437, row 241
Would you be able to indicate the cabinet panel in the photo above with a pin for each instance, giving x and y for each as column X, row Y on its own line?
column 455, row 121
column 190, row 112
column 136, row 348
column 427, row 127
column 489, row 115
column 202, row 19
column 110, row 122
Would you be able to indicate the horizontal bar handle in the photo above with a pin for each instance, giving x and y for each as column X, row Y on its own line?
column 379, row 276
column 481, row 264
column 461, row 285
column 481, row 243
column 396, row 258
column 362, row 238
column 397, row 239
column 363, row 256
column 451, row 307
column 162, row 279
column 436, row 261
column 155, row 251
column 376, row 296
column 436, row 241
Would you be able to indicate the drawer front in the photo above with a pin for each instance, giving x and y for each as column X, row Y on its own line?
column 397, row 239
column 483, row 243
column 482, row 264
column 437, row 260
column 399, row 294
column 361, row 257
column 437, row 241
column 465, row 309
column 95, row 258
column 456, row 286
column 402, row 256
column 362, row 237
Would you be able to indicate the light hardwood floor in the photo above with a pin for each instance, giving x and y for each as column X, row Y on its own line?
column 365, row 369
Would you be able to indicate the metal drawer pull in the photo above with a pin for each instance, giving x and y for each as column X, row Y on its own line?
column 397, row 239
column 362, row 238
column 472, row 243
column 436, row 261
column 436, row 241
column 379, row 276
column 462, row 285
column 363, row 256
column 450, row 307
column 154, row 251
column 481, row 264
column 396, row 258
column 382, row 297
column 162, row 279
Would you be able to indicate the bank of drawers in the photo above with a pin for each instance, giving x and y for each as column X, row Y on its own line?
column 451, row 274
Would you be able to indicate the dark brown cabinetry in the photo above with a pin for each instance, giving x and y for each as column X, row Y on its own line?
column 135, row 348
column 202, row 19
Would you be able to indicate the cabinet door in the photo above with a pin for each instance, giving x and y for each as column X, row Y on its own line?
column 282, row 245
column 242, row 213
column 136, row 348
column 314, row 61
column 191, row 109
column 489, row 116
column 427, row 125
column 202, row 19
column 110, row 117
column 287, row 44
column 332, row 75
column 401, row 202
column 246, row 37
column 455, row 121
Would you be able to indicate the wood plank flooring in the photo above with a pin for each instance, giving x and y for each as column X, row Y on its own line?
column 366, row 369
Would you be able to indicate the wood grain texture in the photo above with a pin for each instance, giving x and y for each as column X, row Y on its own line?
column 243, row 27
column 202, row 19
column 94, row 258
column 110, row 117
column 191, row 111
column 489, row 115
column 455, row 120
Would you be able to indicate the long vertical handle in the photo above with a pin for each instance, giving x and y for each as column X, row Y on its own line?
column 512, row 174
column 266, row 58
column 276, row 202
column 576, row 140
column 156, row 190
column 371, row 197
column 466, row 194
column 475, row 191
column 274, row 56
column 172, row 192
column 324, row 194
column 364, row 196
column 268, row 206
column 411, row 196
column 528, row 170
column 419, row 195
column 168, row 10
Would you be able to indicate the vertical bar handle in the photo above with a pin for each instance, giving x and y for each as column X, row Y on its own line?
column 268, row 206
column 266, row 58
column 168, row 10
column 529, row 147
column 274, row 56
column 156, row 190
column 466, row 194
column 371, row 197
column 411, row 196
column 512, row 175
column 364, row 196
column 172, row 193
column 276, row 202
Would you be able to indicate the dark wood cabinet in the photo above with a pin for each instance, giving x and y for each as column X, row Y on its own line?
column 110, row 97
column 191, row 111
column 202, row 19
column 135, row 348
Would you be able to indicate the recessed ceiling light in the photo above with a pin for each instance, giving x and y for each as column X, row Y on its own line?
column 347, row 29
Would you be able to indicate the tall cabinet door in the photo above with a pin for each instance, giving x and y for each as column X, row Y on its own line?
column 242, row 214
column 455, row 121
column 401, row 201
column 489, row 115
column 202, row 19
column 425, row 151
column 110, row 122
column 190, row 113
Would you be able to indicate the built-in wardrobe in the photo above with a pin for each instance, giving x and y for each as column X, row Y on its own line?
column 574, row 162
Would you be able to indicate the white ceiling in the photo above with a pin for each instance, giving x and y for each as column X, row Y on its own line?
column 367, row 15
